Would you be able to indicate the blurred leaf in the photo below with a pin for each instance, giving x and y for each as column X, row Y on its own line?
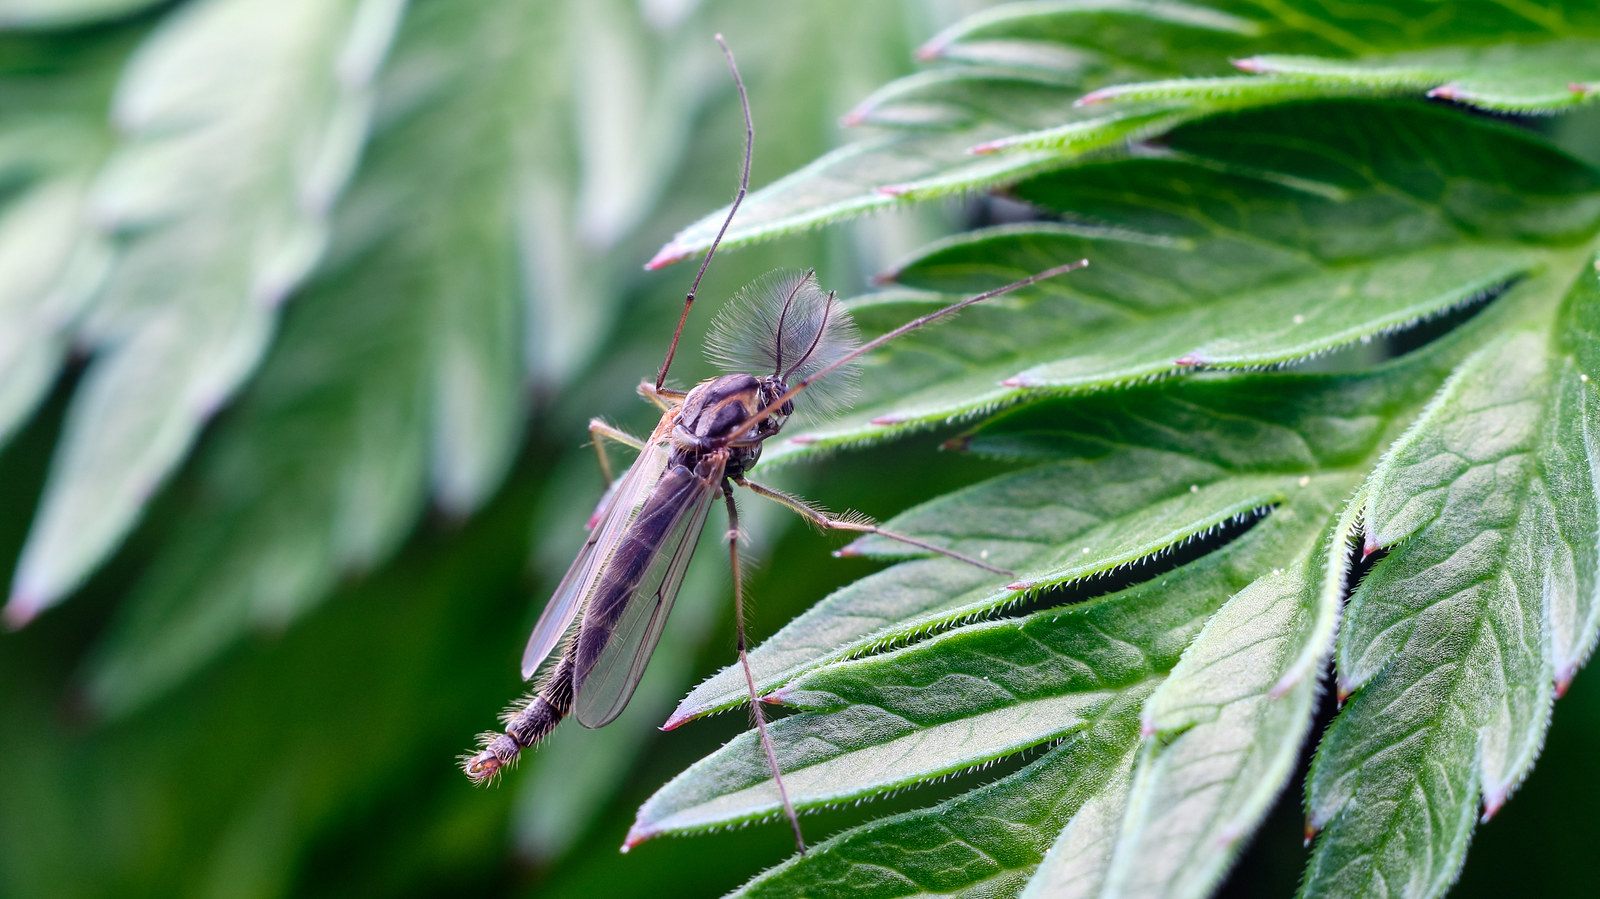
column 401, row 365
column 219, row 199
column 28, row 14
column 52, row 99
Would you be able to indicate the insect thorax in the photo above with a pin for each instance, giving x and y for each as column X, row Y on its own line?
column 714, row 410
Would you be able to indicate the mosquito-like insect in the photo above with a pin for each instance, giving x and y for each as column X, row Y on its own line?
column 608, row 611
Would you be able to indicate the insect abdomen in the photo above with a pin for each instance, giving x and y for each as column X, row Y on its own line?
column 526, row 724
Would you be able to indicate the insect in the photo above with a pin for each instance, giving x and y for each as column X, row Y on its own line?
column 600, row 627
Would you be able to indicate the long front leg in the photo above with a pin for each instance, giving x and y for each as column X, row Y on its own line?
column 861, row 526
column 744, row 662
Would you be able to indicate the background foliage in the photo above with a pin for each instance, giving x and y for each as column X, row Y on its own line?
column 303, row 307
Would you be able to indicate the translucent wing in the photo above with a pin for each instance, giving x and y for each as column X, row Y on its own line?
column 620, row 508
column 624, row 617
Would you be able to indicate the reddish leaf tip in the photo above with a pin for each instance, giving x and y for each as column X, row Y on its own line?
column 1563, row 681
column 1147, row 728
column 890, row 419
column 20, row 610
column 1188, row 361
column 1251, row 64
column 666, row 256
column 803, row 439
column 1018, row 585
column 957, row 444
column 886, row 277
column 1093, row 97
column 1018, row 381
column 636, row 834
column 894, row 190
column 1582, row 87
column 847, row 552
column 1340, row 694
column 987, row 147
column 855, row 116
column 1310, row 833
column 1369, row 545
column 932, row 50
column 1492, row 804
column 1450, row 91
column 677, row 719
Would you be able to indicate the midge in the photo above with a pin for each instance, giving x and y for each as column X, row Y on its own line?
column 608, row 611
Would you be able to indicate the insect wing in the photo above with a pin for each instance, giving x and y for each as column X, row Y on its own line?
column 623, row 620
column 611, row 521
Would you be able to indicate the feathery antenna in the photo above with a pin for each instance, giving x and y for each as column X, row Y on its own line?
column 906, row 328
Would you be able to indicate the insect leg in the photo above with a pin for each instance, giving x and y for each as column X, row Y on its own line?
column 665, row 398
column 601, row 432
column 862, row 526
column 744, row 661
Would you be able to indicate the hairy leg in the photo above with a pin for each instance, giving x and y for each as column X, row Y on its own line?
column 862, row 526
column 749, row 679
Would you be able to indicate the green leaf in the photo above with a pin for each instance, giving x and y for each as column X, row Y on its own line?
column 1227, row 727
column 219, row 200
column 1455, row 639
column 965, row 699
column 987, row 840
column 1141, row 468
column 943, row 114
column 1130, row 70
column 1235, row 253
